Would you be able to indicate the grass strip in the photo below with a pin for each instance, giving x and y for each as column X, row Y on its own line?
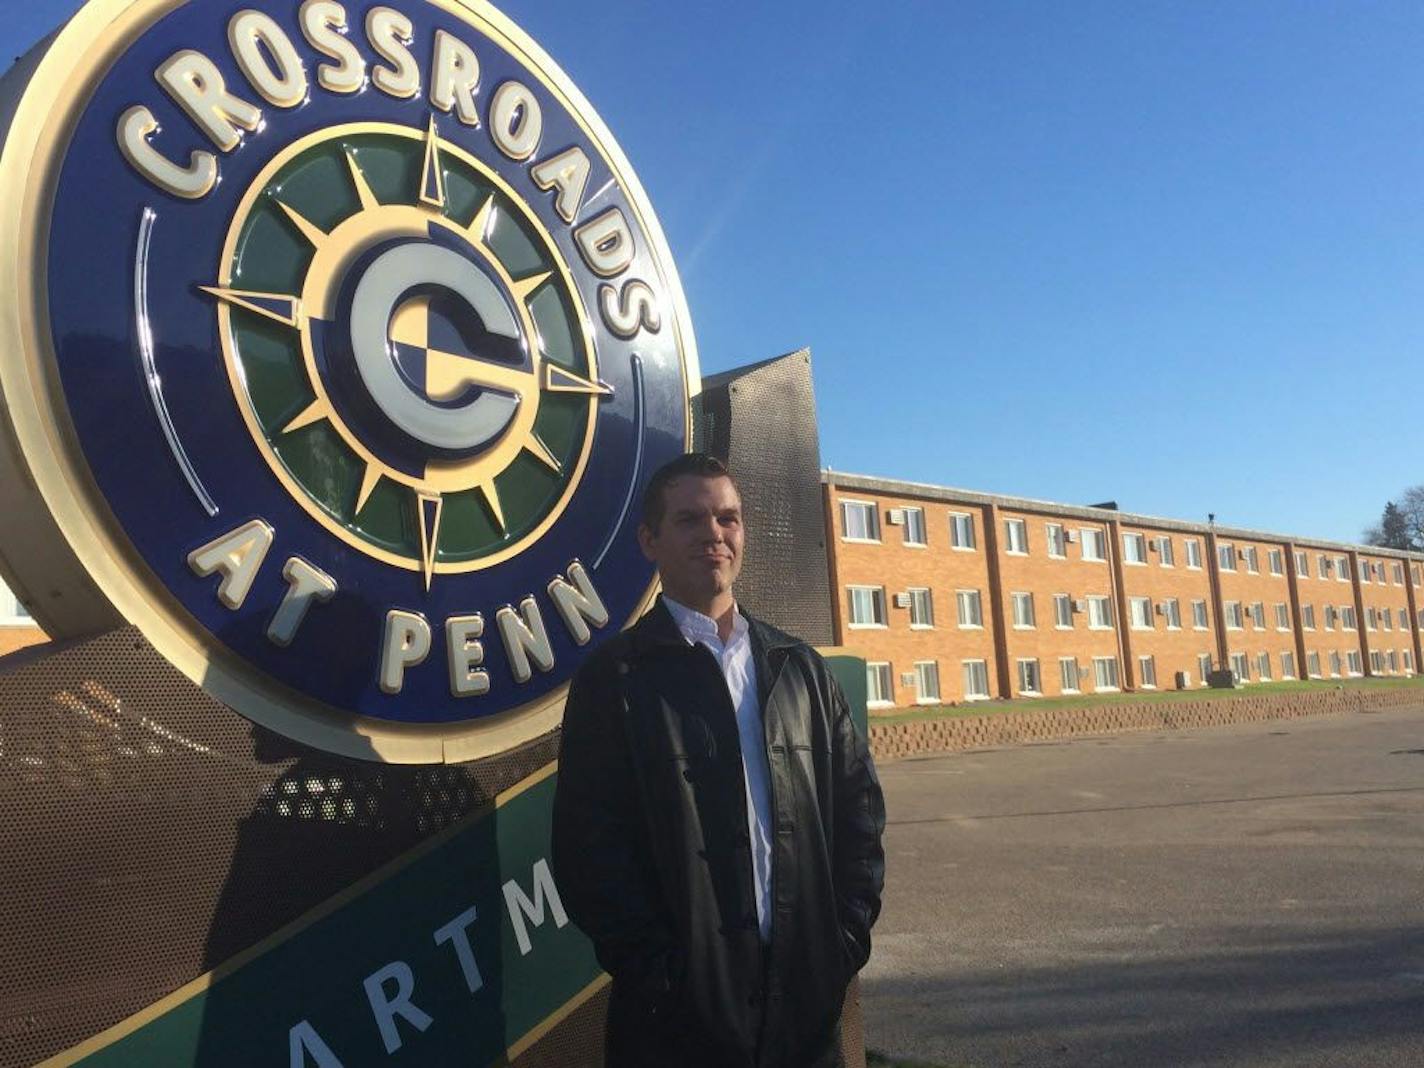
column 1035, row 704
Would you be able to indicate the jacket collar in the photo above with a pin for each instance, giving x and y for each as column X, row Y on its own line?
column 658, row 629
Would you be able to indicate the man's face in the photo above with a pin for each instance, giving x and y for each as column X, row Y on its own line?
column 698, row 545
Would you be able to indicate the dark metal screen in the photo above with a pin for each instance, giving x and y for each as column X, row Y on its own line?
column 761, row 420
column 149, row 833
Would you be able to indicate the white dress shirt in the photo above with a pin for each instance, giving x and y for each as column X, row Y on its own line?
column 739, row 669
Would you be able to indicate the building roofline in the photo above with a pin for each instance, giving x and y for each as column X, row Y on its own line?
column 952, row 494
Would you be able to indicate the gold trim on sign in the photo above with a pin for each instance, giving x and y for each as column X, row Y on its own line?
column 39, row 131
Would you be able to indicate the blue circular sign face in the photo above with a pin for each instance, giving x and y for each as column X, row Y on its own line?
column 362, row 341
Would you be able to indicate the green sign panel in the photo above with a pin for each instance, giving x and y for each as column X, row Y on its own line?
column 460, row 952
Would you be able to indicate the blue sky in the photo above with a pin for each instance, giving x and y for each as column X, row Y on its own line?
column 1165, row 253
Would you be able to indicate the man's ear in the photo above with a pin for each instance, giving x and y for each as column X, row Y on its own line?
column 645, row 540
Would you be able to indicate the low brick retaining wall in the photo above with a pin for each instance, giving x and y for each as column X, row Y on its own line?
column 952, row 733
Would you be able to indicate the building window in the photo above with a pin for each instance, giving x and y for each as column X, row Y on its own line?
column 1226, row 556
column 1194, row 557
column 1393, row 661
column 915, row 527
column 1334, row 665
column 1139, row 613
column 1062, row 611
column 1287, row 665
column 961, row 531
column 879, row 686
column 1203, row 666
column 927, row 681
column 1252, row 558
column 1147, row 672
column 1263, row 667
column 1029, row 681
column 1403, row 619
column 1342, row 569
column 1094, row 544
column 1172, row 611
column 11, row 610
column 1364, row 571
column 1408, row 662
column 1234, row 619
column 1240, row 669
column 1134, row 549
column 1398, row 570
column 1068, row 674
column 971, row 612
column 1302, row 565
column 1258, row 615
column 1166, row 556
column 1322, row 565
column 976, row 680
column 1282, row 617
column 1057, row 543
column 1277, row 560
column 860, row 520
column 1348, row 619
column 1105, row 673
column 1352, row 659
column 921, row 608
column 1016, row 537
column 1376, row 662
column 1307, row 616
column 1199, row 615
column 1023, row 610
column 1100, row 616
column 867, row 605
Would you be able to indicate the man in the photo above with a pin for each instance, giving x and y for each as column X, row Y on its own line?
column 718, row 818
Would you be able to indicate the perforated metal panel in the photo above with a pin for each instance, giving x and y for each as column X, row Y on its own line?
column 149, row 833
column 761, row 420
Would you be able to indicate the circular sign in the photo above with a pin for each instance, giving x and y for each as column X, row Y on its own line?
column 341, row 344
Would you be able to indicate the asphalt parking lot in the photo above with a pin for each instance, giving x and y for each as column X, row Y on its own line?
column 1248, row 895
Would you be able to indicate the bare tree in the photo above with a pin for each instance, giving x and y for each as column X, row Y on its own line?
column 1411, row 507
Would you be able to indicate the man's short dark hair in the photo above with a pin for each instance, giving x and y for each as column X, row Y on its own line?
column 701, row 464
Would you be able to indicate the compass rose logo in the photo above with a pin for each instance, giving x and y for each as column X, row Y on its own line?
column 435, row 361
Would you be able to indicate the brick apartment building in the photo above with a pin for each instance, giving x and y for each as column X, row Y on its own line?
column 952, row 595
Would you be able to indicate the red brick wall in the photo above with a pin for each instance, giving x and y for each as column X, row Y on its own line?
column 1171, row 650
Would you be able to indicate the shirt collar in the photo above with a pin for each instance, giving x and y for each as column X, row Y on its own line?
column 697, row 627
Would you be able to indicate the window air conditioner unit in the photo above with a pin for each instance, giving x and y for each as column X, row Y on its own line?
column 1241, row 554
column 1153, row 546
column 896, row 517
column 1161, row 609
column 907, row 678
column 1080, row 606
column 902, row 600
column 1072, row 535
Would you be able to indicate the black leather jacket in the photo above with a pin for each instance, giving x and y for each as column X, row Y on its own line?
column 653, row 861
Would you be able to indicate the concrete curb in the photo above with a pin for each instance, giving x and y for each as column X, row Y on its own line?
column 890, row 741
